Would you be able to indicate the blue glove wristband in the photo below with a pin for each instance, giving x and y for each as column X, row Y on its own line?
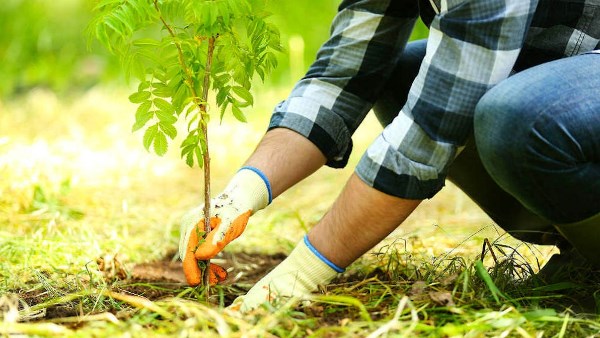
column 263, row 177
column 321, row 257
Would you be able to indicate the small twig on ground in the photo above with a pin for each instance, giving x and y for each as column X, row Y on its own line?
column 489, row 245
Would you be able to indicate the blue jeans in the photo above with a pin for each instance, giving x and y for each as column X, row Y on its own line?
column 538, row 135
column 486, row 174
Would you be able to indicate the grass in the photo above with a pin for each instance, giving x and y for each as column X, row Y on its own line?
column 76, row 185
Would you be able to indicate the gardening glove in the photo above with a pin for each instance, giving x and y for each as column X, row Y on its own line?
column 216, row 274
column 297, row 276
column 247, row 192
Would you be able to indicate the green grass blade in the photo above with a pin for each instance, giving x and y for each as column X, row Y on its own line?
column 346, row 300
column 563, row 329
column 487, row 279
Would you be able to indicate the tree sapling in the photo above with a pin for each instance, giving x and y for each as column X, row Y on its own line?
column 181, row 51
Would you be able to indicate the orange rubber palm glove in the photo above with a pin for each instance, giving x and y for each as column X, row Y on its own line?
column 247, row 192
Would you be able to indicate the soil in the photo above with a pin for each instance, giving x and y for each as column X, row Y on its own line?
column 242, row 268
column 157, row 280
column 164, row 278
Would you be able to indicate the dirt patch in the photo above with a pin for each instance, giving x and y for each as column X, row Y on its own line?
column 164, row 270
column 154, row 280
column 164, row 278
column 242, row 268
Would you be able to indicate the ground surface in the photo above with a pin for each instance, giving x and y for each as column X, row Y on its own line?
column 89, row 228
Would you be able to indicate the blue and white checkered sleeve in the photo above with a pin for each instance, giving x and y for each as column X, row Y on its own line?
column 472, row 46
column 339, row 89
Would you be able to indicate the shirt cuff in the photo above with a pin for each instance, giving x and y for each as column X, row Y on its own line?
column 324, row 128
column 391, row 172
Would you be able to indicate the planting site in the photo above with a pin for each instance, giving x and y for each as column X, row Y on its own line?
column 90, row 225
column 91, row 219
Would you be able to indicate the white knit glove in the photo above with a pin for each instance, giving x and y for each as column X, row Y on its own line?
column 297, row 276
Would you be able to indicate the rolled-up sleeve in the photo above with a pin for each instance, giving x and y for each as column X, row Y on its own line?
column 472, row 46
column 331, row 100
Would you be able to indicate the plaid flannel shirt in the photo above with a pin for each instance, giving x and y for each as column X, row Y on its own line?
column 472, row 46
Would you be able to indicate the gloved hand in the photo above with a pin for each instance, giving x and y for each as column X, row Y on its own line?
column 297, row 276
column 247, row 192
column 216, row 273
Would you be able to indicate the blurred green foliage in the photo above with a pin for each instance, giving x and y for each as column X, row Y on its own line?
column 43, row 43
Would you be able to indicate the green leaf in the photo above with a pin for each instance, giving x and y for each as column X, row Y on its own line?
column 161, row 90
column 225, row 13
column 210, row 14
column 191, row 109
column 149, row 136
column 244, row 94
column 222, row 112
column 160, row 144
column 194, row 118
column 237, row 112
column 221, row 79
column 163, row 105
column 261, row 73
column 142, row 115
column 145, row 42
column 114, row 24
column 104, row 3
column 199, row 158
column 222, row 94
column 143, row 109
column 139, row 97
column 272, row 59
column 136, row 69
column 143, row 86
column 159, row 73
column 168, row 129
column 189, row 159
column 179, row 98
column 174, row 74
column 166, row 117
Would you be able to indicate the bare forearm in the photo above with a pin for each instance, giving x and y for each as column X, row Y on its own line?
column 286, row 158
column 359, row 219
column 361, row 216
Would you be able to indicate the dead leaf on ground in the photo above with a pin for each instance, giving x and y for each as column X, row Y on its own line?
column 443, row 298
column 418, row 291
column 111, row 267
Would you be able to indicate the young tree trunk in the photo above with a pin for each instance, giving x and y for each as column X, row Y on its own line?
column 205, row 154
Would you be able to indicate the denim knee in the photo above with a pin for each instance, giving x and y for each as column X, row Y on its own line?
column 536, row 134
